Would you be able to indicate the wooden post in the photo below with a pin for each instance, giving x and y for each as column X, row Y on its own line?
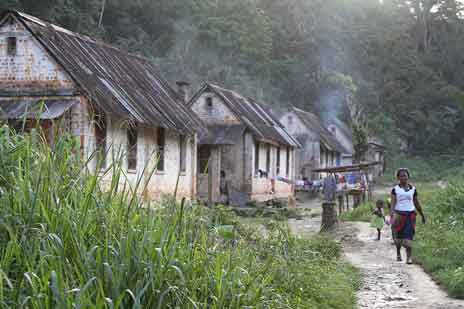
column 340, row 203
column 329, row 216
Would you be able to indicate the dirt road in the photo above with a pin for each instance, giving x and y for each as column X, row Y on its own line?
column 387, row 283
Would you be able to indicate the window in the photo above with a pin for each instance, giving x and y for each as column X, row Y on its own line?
column 204, row 152
column 268, row 159
column 287, row 165
column 132, row 148
column 11, row 46
column 256, row 158
column 209, row 102
column 183, row 153
column 278, row 161
column 100, row 137
column 161, row 141
column 290, row 119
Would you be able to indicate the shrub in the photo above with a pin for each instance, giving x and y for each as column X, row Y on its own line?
column 65, row 243
column 439, row 245
column 361, row 213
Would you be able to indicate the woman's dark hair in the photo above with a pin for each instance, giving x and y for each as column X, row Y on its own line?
column 401, row 170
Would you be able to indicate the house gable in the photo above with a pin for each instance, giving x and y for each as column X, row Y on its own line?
column 296, row 127
column 212, row 109
column 31, row 70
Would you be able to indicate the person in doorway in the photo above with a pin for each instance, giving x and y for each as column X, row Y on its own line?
column 405, row 202
column 378, row 218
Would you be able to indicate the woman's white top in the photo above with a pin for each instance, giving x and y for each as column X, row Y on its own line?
column 404, row 198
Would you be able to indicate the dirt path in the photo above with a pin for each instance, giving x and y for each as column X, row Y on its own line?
column 387, row 283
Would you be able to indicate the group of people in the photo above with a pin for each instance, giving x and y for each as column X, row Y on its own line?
column 403, row 206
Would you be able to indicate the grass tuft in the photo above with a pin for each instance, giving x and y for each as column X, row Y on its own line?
column 67, row 243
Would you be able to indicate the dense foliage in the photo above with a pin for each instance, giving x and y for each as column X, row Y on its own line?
column 395, row 66
column 439, row 246
column 66, row 244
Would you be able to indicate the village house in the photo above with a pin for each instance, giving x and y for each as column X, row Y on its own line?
column 344, row 136
column 319, row 149
column 376, row 153
column 113, row 102
column 246, row 154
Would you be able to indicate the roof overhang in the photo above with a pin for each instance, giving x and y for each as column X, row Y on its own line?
column 35, row 108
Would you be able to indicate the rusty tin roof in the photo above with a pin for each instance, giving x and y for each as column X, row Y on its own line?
column 312, row 122
column 119, row 83
column 257, row 117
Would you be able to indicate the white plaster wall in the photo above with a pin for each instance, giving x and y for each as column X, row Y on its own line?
column 153, row 183
column 262, row 186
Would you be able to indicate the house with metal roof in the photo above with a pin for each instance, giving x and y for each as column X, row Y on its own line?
column 344, row 136
column 114, row 102
column 320, row 149
column 246, row 153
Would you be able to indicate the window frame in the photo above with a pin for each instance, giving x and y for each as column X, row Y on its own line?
column 287, row 163
column 161, row 149
column 11, row 46
column 256, row 159
column 203, row 161
column 182, row 154
column 101, row 135
column 132, row 148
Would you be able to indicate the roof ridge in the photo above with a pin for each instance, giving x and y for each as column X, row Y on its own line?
column 55, row 27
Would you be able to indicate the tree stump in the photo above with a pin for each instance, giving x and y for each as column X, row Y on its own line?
column 329, row 216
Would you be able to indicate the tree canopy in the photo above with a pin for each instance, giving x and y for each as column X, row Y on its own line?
column 395, row 66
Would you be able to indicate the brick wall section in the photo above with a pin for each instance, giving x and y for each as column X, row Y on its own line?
column 31, row 68
column 218, row 113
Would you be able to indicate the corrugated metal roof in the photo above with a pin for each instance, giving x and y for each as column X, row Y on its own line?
column 257, row 117
column 122, row 84
column 222, row 135
column 312, row 122
column 31, row 108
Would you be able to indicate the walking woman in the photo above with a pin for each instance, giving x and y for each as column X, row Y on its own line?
column 405, row 202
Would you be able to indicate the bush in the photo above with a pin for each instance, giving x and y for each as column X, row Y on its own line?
column 439, row 245
column 65, row 243
column 362, row 213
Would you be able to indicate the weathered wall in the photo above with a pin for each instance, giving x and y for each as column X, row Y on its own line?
column 309, row 156
column 262, row 186
column 213, row 176
column 218, row 113
column 237, row 161
column 31, row 71
column 160, row 182
column 342, row 138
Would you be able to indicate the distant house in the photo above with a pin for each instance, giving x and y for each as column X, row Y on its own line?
column 112, row 101
column 246, row 154
column 319, row 149
column 344, row 137
column 376, row 153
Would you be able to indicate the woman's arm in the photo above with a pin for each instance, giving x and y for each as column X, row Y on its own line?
column 418, row 206
column 393, row 203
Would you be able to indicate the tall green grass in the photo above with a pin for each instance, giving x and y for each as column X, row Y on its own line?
column 66, row 243
column 440, row 243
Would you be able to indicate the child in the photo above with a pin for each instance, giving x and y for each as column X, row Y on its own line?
column 378, row 218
